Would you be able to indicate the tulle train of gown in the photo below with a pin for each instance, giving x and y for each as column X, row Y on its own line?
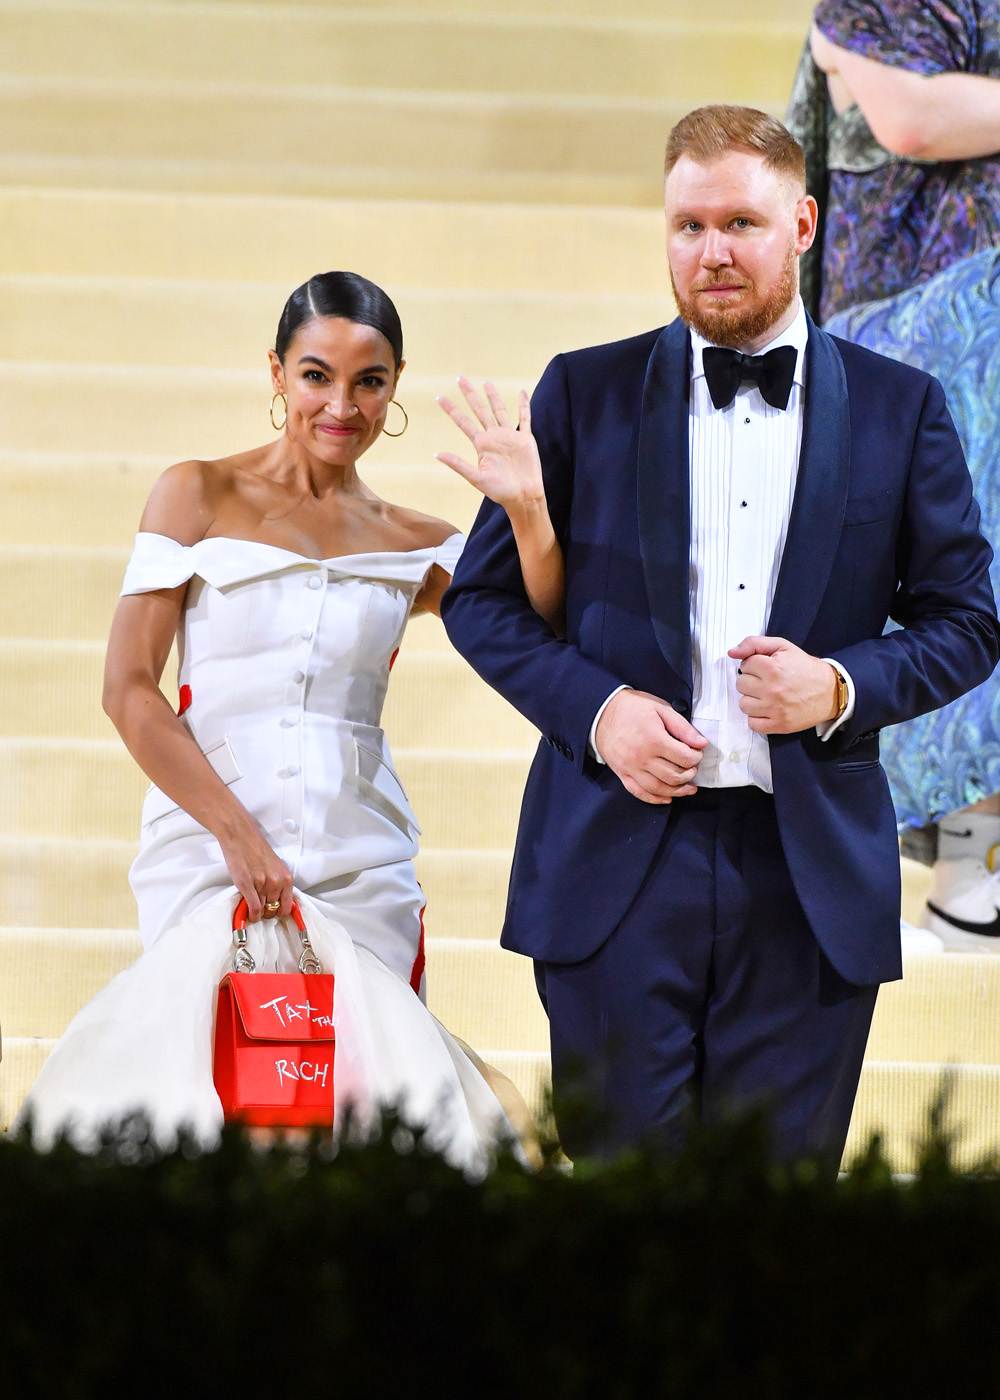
column 144, row 1043
column 950, row 327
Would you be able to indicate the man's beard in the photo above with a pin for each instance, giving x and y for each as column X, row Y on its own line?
column 737, row 326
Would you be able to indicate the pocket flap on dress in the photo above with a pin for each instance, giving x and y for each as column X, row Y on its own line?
column 375, row 774
column 220, row 755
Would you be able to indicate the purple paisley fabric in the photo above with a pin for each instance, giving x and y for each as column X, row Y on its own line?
column 893, row 223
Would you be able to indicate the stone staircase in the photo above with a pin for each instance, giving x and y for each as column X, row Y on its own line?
column 169, row 170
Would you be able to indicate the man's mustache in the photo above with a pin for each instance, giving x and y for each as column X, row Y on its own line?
column 722, row 282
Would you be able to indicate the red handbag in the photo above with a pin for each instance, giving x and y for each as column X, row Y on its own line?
column 274, row 1038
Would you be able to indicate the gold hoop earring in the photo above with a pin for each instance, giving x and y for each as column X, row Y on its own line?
column 406, row 420
column 278, row 426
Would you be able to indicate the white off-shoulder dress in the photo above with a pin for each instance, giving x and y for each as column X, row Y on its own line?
column 284, row 663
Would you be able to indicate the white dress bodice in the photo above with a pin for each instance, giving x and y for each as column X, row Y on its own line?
column 283, row 667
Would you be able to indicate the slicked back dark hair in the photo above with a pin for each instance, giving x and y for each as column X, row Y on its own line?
column 343, row 294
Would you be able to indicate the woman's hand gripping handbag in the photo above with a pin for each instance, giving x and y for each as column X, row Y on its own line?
column 274, row 1038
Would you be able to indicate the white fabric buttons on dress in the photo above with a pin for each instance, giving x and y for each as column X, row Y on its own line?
column 298, row 677
column 315, row 581
column 293, row 770
column 734, row 757
column 289, row 721
column 290, row 825
column 306, row 633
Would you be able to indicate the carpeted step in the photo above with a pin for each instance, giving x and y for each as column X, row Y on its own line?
column 896, row 1100
column 23, row 1057
column 243, row 138
column 479, row 991
column 435, row 699
column 91, row 789
column 444, row 246
column 59, row 883
column 70, row 593
column 489, row 52
column 163, row 322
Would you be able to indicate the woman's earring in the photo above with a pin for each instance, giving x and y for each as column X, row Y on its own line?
column 278, row 426
column 406, row 421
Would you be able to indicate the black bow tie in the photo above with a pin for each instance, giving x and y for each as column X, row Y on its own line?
column 773, row 373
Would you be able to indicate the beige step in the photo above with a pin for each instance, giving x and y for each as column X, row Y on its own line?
column 53, row 690
column 65, row 499
column 22, row 1059
column 196, row 413
column 89, row 580
column 481, row 993
column 486, row 52
column 50, row 882
column 793, row 12
column 161, row 321
column 917, row 880
column 248, row 139
column 895, row 1099
column 91, row 789
column 444, row 245
column 946, row 1010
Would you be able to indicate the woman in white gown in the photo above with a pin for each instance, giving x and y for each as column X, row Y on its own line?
column 288, row 584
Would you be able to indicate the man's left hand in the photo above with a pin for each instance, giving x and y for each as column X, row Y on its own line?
column 783, row 688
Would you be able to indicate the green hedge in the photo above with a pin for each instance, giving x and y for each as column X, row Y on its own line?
column 382, row 1272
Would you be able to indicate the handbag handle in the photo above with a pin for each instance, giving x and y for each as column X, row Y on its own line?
column 243, row 958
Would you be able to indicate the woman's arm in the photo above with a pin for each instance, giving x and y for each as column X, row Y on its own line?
column 142, row 632
column 937, row 116
column 509, row 472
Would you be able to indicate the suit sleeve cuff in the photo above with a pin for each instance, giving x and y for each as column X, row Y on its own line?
column 592, row 738
column 829, row 727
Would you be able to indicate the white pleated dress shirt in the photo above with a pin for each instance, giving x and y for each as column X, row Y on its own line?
column 743, row 465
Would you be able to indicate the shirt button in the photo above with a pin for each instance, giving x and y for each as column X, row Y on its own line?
column 741, row 586
column 315, row 581
column 290, row 825
column 292, row 771
column 746, row 420
column 289, row 721
column 299, row 676
column 734, row 757
column 742, row 505
column 306, row 632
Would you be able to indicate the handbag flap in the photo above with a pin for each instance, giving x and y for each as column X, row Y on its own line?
column 283, row 1006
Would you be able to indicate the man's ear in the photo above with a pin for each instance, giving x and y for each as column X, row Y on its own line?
column 806, row 223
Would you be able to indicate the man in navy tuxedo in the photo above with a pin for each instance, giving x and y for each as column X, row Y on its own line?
column 706, row 871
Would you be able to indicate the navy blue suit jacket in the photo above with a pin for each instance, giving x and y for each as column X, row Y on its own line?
column 883, row 525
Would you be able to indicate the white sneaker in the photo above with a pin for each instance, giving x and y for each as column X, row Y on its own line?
column 964, row 905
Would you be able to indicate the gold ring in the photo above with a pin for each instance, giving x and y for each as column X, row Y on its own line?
column 272, row 905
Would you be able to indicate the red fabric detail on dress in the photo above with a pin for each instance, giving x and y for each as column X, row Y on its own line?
column 392, row 658
column 185, row 699
column 420, row 961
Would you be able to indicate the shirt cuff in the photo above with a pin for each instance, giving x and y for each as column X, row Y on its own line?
column 829, row 727
column 592, row 738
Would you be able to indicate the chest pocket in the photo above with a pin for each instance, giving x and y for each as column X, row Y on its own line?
column 868, row 510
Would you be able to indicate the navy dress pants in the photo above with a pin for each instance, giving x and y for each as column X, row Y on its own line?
column 711, row 997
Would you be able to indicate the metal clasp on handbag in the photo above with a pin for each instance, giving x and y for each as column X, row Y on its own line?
column 243, row 958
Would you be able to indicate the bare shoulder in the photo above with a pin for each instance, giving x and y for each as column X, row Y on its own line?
column 185, row 499
column 425, row 531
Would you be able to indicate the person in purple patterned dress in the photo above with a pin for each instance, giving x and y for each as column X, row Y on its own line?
column 897, row 105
